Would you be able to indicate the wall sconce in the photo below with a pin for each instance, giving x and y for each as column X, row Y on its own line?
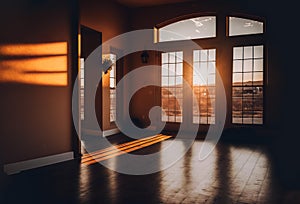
column 107, row 63
column 109, row 69
column 144, row 57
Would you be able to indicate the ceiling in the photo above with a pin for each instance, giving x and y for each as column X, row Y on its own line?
column 144, row 3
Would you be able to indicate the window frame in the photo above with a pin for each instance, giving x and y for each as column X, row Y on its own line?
column 182, row 88
column 223, row 65
column 263, row 86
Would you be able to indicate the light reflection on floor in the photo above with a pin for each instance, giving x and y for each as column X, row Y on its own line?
column 230, row 174
column 113, row 151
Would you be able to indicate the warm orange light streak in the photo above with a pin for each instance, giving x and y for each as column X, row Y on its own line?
column 57, row 79
column 39, row 64
column 126, row 150
column 117, row 146
column 36, row 64
column 55, row 48
column 94, row 160
column 79, row 45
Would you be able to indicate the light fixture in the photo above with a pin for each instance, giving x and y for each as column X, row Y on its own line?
column 144, row 57
column 107, row 64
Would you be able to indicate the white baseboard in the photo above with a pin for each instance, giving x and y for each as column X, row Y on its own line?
column 17, row 167
column 91, row 132
column 98, row 133
column 110, row 132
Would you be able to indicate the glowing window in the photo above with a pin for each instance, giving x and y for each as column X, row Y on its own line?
column 204, row 86
column 172, row 86
column 112, row 84
column 242, row 26
column 82, row 88
column 247, row 85
column 193, row 28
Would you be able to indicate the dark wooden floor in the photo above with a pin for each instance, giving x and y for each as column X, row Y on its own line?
column 233, row 173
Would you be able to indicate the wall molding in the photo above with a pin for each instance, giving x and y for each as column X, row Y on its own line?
column 14, row 168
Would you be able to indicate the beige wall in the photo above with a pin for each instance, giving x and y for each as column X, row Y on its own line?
column 35, row 86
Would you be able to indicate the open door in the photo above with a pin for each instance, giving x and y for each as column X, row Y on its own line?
column 90, row 39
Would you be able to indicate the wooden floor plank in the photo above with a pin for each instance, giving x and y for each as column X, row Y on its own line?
column 232, row 173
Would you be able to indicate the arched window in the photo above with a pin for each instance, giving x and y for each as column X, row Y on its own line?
column 243, row 26
column 245, row 54
column 193, row 28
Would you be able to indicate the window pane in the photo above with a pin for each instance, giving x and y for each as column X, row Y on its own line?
column 179, row 69
column 247, row 52
column 258, row 64
column 211, row 120
column 179, row 80
column 237, row 66
column 164, row 81
column 203, row 120
column 179, row 119
column 248, row 65
column 171, row 69
column 203, row 71
column 237, row 104
column 258, row 51
column 247, row 104
column 257, row 120
column 171, row 118
column 172, row 57
column 164, row 58
column 196, row 66
column 238, row 53
column 193, row 28
column 258, row 104
column 237, row 120
column 237, row 91
column 196, row 119
column 212, row 55
column 211, row 80
column 203, row 55
column 171, row 81
column 258, row 78
column 247, row 120
column 112, row 83
column 164, row 118
column 164, row 70
column 242, row 26
column 237, row 79
column 196, row 56
column 258, row 91
column 198, row 80
column 212, row 68
column 247, row 79
column 248, row 91
column 112, row 72
column 179, row 57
